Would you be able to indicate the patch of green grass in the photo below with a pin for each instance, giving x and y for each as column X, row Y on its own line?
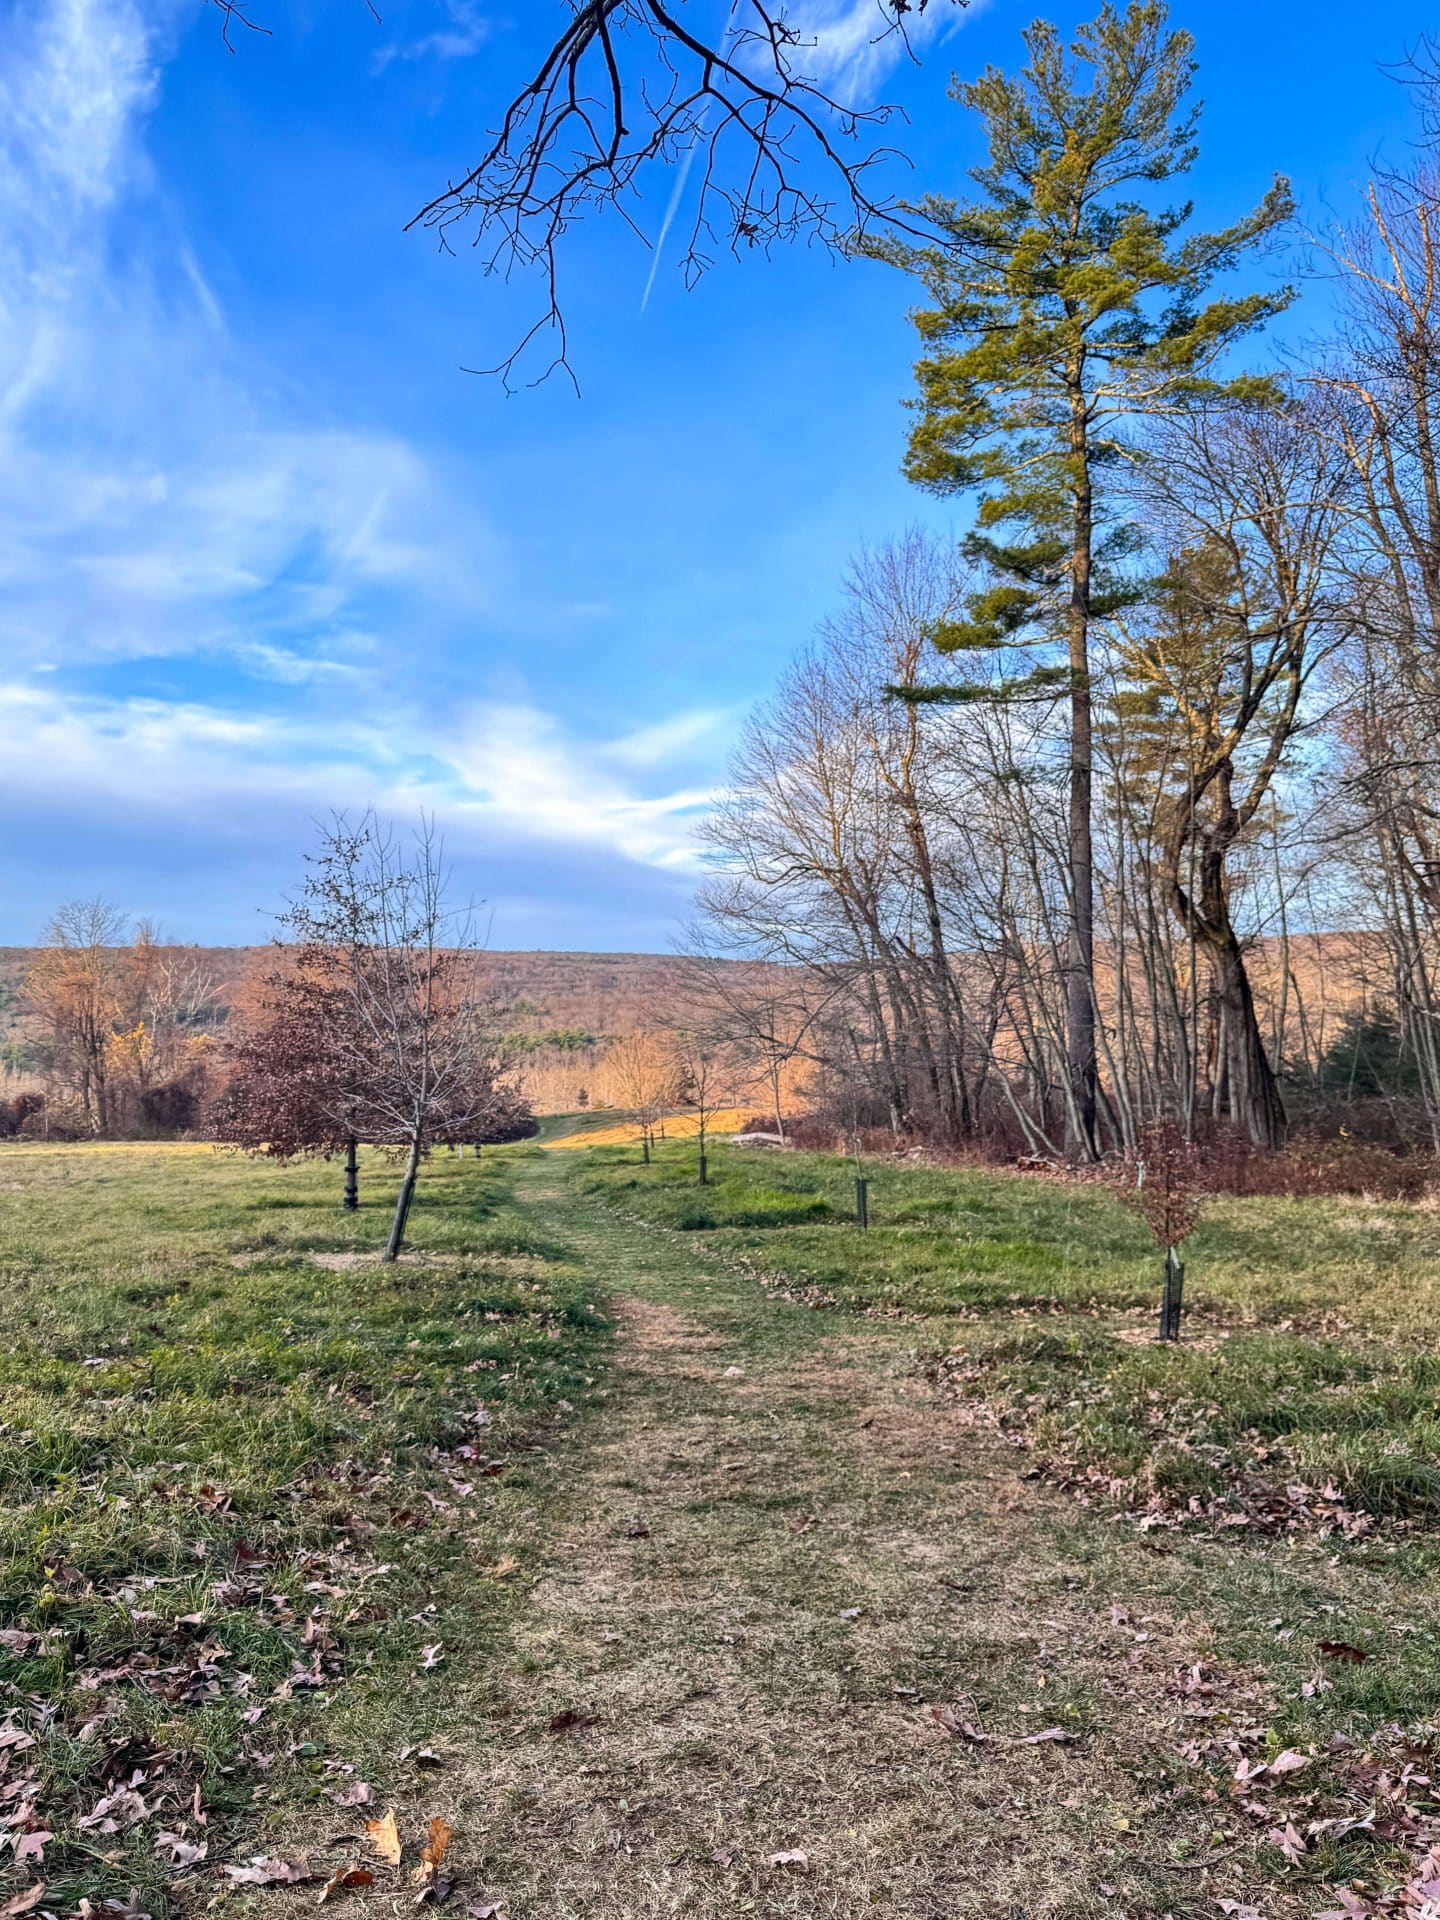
column 1246, row 1417
column 1315, row 1355
column 944, row 1241
column 241, row 1489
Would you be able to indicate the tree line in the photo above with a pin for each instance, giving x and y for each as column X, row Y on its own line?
column 1019, row 820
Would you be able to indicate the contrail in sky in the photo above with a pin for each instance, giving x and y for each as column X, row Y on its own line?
column 678, row 191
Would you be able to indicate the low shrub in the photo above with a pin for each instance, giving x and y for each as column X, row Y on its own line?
column 15, row 1112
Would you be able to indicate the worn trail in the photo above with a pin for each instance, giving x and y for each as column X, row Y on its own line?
column 775, row 1556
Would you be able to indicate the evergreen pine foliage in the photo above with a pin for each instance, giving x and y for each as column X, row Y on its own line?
column 1062, row 307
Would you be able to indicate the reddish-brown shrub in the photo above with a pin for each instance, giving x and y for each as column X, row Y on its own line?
column 14, row 1113
column 1164, row 1182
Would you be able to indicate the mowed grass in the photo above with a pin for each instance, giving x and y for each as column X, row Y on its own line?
column 243, row 1489
column 1304, row 1393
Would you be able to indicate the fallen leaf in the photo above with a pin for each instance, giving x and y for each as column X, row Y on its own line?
column 357, row 1794
column 791, row 1857
column 1057, row 1736
column 185, row 1853
column 433, row 1850
column 638, row 1529
column 384, row 1837
column 1289, row 1842
column 345, row 1877
column 504, row 1567
column 1289, row 1761
column 949, row 1721
column 573, row 1720
column 484, row 1910
column 1342, row 1650
column 129, row 1908
column 23, row 1902
column 431, row 1657
column 423, row 1757
column 723, row 1856
column 264, row 1871
column 801, row 1523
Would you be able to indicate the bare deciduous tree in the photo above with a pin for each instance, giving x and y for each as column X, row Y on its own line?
column 640, row 1076
column 418, row 1044
column 739, row 104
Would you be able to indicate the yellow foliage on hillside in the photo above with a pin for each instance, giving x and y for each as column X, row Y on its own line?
column 682, row 1126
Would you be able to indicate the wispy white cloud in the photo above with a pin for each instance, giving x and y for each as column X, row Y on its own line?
column 165, row 498
column 669, row 739
column 75, row 76
column 853, row 45
column 521, row 764
column 465, row 34
column 501, row 774
column 149, row 502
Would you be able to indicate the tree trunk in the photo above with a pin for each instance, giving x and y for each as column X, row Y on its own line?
column 403, row 1200
column 1254, row 1096
column 352, row 1177
column 1080, row 943
column 775, row 1090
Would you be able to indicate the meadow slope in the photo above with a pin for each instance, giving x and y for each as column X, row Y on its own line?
column 691, row 1551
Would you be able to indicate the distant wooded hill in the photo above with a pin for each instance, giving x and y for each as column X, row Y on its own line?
column 567, row 1006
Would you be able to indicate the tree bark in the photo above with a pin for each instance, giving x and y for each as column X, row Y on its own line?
column 352, row 1177
column 1080, row 943
column 403, row 1200
column 1253, row 1094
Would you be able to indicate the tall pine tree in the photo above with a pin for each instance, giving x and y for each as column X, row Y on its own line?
column 1063, row 308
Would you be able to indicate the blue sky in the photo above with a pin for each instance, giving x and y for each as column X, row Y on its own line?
column 266, row 548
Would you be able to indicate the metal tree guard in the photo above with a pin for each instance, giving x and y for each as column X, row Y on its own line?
column 1172, row 1299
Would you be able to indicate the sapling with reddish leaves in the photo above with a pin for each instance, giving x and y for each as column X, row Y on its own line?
column 385, row 1031
column 294, row 1082
column 1162, row 1182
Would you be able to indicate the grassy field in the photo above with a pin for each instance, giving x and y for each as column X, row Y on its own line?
column 1302, row 1402
column 693, row 1551
column 1312, row 1350
column 247, row 1477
